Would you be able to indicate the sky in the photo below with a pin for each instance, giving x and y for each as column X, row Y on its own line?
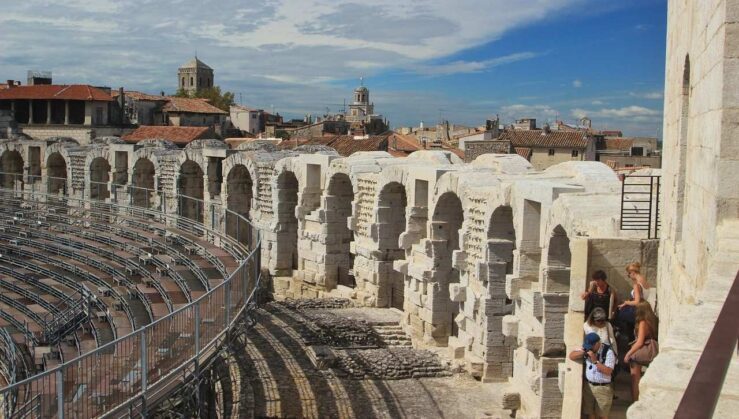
column 423, row 60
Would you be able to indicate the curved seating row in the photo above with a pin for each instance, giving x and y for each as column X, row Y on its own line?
column 135, row 267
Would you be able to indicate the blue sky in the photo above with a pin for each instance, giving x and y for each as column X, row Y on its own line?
column 463, row 61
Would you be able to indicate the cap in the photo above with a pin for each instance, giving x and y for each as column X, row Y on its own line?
column 599, row 314
column 590, row 340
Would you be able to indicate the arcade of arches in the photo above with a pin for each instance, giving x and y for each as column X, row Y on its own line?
column 463, row 262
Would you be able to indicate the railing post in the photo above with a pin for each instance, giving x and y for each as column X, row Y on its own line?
column 197, row 329
column 60, row 393
column 227, row 300
column 144, row 361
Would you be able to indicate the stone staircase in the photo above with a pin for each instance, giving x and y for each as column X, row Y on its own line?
column 392, row 335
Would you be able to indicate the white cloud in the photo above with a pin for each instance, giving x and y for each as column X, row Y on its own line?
column 541, row 112
column 577, row 83
column 461, row 67
column 597, row 102
column 633, row 112
column 647, row 95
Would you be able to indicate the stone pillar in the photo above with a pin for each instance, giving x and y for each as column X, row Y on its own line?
column 48, row 112
column 12, row 106
column 66, row 112
column 30, row 112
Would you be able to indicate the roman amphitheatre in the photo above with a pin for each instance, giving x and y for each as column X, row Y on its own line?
column 153, row 280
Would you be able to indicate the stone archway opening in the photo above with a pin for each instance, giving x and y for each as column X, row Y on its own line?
column 190, row 188
column 239, row 191
column 142, row 180
column 99, row 178
column 11, row 168
column 339, row 199
column 56, row 171
column 287, row 222
column 501, row 244
column 391, row 224
column 556, row 292
column 447, row 220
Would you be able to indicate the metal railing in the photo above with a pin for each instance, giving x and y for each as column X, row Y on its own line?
column 640, row 204
column 120, row 378
column 701, row 396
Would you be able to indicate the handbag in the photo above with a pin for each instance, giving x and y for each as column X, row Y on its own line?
column 646, row 353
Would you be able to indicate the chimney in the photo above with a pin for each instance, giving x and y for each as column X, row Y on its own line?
column 11, row 84
column 122, row 105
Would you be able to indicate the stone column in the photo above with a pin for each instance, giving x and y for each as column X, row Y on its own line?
column 66, row 112
column 48, row 112
column 30, row 112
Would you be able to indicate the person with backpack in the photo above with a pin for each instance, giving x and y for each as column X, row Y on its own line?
column 599, row 294
column 600, row 361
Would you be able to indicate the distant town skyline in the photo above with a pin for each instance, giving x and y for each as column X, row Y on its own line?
column 423, row 60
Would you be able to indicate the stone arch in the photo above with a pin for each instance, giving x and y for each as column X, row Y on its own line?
column 56, row 172
column 338, row 203
column 11, row 166
column 239, row 195
column 190, row 188
column 99, row 170
column 286, row 196
column 142, row 182
column 501, row 243
column 392, row 203
column 446, row 222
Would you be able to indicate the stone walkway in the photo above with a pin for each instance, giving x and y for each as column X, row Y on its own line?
column 279, row 378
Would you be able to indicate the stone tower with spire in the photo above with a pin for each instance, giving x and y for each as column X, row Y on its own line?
column 194, row 75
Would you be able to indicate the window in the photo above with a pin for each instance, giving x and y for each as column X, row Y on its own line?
column 575, row 153
column 551, row 151
column 637, row 151
column 192, row 81
column 629, row 165
column 98, row 115
column 183, row 82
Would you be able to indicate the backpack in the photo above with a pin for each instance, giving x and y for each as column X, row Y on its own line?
column 603, row 354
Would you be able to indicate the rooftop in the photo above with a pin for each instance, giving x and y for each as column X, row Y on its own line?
column 540, row 138
column 178, row 135
column 195, row 63
column 190, row 105
column 55, row 92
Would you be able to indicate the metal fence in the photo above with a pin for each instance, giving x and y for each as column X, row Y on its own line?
column 640, row 204
column 120, row 378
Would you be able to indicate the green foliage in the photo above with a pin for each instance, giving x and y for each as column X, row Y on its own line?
column 213, row 94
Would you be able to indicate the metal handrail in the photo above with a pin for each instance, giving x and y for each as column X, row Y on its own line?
column 704, row 388
column 125, row 371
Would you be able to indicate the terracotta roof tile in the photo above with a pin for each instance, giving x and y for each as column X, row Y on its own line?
column 553, row 139
column 56, row 92
column 140, row 96
column 190, row 105
column 178, row 135
column 345, row 145
column 403, row 143
column 620, row 144
column 524, row 152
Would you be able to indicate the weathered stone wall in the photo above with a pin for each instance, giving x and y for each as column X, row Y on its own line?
column 698, row 255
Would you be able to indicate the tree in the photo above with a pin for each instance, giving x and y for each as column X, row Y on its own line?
column 213, row 95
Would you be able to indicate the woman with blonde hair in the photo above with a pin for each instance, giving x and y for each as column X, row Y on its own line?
column 639, row 292
column 645, row 347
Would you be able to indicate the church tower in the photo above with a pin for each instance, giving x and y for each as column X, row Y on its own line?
column 361, row 108
column 194, row 75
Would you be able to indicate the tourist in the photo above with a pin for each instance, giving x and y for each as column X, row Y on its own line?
column 599, row 294
column 600, row 361
column 639, row 292
column 597, row 322
column 645, row 348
